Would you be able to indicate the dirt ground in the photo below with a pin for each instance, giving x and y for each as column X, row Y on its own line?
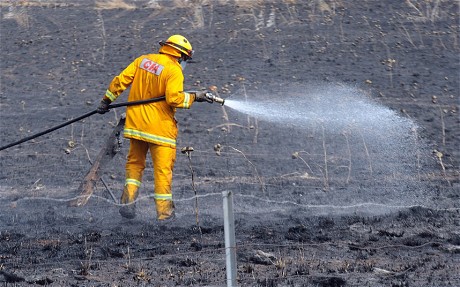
column 313, row 207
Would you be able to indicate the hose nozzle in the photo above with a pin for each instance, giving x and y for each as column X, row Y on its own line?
column 215, row 98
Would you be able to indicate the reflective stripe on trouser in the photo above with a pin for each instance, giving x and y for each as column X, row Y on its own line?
column 163, row 158
column 130, row 192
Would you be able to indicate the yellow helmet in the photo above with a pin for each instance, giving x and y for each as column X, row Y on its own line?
column 180, row 47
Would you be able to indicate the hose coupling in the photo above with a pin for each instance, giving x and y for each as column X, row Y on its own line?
column 215, row 98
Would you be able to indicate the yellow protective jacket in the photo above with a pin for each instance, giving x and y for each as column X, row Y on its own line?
column 152, row 76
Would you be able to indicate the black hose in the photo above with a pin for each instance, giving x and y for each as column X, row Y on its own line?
column 125, row 104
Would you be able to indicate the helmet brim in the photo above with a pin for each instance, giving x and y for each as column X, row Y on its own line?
column 183, row 50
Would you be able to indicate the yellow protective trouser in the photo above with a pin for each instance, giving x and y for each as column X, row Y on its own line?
column 163, row 159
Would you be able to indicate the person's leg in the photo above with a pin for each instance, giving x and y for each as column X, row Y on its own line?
column 163, row 159
column 135, row 166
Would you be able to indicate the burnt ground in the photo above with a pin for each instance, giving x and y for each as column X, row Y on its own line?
column 313, row 207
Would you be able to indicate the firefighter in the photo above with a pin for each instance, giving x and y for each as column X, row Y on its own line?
column 152, row 127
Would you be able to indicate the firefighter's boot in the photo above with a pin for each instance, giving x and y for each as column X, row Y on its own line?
column 128, row 199
column 165, row 209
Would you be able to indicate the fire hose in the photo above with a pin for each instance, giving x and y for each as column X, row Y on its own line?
column 210, row 96
column 125, row 104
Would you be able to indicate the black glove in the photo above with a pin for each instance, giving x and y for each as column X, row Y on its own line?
column 202, row 97
column 103, row 106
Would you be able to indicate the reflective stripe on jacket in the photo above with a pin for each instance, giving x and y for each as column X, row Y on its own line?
column 152, row 76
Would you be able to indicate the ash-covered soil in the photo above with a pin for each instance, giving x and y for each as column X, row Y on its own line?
column 314, row 206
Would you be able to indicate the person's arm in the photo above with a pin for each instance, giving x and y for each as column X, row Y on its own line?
column 121, row 82
column 175, row 96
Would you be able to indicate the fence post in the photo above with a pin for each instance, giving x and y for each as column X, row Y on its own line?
column 230, row 244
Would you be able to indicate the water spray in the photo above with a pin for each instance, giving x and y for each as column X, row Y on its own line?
column 344, row 135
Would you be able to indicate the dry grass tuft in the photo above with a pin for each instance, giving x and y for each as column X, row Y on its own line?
column 114, row 4
column 251, row 3
column 427, row 10
column 34, row 3
column 18, row 14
